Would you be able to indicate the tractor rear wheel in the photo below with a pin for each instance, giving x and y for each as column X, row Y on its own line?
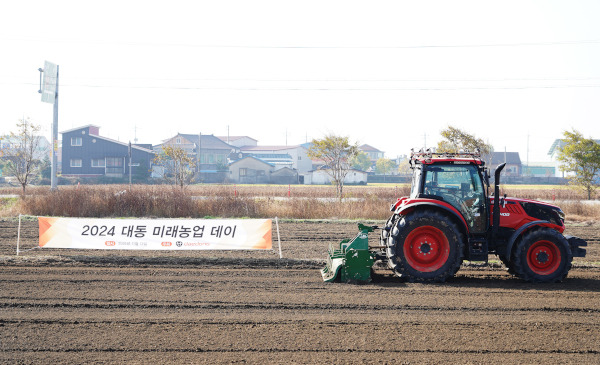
column 542, row 256
column 425, row 246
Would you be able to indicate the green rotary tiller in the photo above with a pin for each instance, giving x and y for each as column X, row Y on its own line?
column 350, row 260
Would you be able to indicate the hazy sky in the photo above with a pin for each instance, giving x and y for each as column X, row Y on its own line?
column 391, row 74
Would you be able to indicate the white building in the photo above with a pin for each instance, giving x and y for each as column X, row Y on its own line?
column 321, row 177
column 298, row 156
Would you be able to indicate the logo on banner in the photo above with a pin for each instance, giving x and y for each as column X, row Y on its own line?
column 179, row 243
column 166, row 244
column 110, row 243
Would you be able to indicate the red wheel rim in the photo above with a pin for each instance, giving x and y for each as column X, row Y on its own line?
column 426, row 249
column 543, row 257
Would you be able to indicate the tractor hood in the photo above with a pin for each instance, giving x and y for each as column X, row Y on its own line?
column 527, row 209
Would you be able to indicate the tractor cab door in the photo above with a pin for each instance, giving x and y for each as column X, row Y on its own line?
column 460, row 186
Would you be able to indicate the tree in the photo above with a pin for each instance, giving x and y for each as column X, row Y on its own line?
column 21, row 151
column 404, row 167
column 177, row 164
column 361, row 161
column 580, row 156
column 384, row 166
column 336, row 152
column 457, row 140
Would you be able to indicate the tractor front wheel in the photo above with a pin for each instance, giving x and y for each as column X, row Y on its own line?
column 425, row 246
column 542, row 256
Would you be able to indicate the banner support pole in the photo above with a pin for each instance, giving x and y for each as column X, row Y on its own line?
column 19, row 235
column 278, row 239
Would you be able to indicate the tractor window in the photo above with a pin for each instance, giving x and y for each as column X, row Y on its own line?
column 460, row 186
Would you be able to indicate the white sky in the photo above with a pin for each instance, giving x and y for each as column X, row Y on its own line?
column 387, row 73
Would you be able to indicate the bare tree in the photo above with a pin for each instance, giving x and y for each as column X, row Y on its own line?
column 337, row 153
column 178, row 165
column 456, row 140
column 21, row 152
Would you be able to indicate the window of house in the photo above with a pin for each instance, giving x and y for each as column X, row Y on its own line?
column 243, row 171
column 98, row 162
column 76, row 141
column 76, row 162
column 115, row 165
column 178, row 140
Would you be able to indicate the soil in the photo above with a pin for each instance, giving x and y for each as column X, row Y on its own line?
column 140, row 307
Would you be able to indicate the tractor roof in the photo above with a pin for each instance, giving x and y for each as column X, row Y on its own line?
column 428, row 157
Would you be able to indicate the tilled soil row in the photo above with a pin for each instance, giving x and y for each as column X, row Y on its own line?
column 220, row 315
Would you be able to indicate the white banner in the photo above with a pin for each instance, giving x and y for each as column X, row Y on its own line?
column 155, row 234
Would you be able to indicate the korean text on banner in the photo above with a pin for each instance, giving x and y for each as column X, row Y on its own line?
column 155, row 234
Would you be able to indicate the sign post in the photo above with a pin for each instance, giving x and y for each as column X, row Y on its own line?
column 49, row 91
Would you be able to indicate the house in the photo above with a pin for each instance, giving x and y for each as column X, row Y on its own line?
column 87, row 154
column 239, row 141
column 294, row 157
column 210, row 153
column 513, row 163
column 41, row 152
column 321, row 177
column 286, row 175
column 250, row 170
column 373, row 153
column 253, row 170
column 279, row 160
column 540, row 169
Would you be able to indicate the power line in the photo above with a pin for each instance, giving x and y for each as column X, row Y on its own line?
column 242, row 46
column 337, row 80
column 237, row 88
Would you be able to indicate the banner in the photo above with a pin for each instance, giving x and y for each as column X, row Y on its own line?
column 155, row 234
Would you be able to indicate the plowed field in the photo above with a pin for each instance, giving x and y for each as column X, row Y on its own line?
column 68, row 306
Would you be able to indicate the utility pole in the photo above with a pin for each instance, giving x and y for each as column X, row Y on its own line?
column 199, row 156
column 129, row 150
column 528, row 169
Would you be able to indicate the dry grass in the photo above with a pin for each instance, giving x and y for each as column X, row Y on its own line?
column 229, row 201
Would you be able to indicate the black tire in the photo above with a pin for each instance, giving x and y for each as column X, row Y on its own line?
column 542, row 256
column 386, row 231
column 508, row 264
column 425, row 246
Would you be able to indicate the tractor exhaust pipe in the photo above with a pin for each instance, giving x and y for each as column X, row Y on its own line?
column 496, row 218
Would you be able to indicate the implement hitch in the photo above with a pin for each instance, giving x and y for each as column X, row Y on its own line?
column 350, row 260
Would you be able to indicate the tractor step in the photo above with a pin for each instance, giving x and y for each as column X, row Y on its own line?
column 478, row 249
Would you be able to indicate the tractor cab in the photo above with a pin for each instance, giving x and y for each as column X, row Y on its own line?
column 457, row 182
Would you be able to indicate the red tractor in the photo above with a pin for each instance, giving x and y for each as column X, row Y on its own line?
column 449, row 217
